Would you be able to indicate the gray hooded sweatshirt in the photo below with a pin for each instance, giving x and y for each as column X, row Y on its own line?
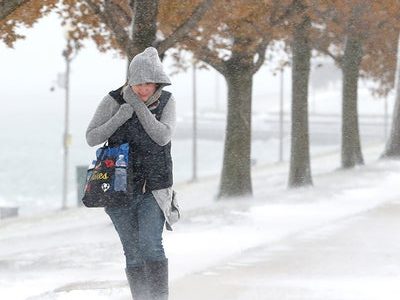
column 144, row 68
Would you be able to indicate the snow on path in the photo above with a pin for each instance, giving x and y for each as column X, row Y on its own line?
column 76, row 254
column 356, row 258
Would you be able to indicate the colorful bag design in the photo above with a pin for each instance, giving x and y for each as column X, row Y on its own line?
column 106, row 180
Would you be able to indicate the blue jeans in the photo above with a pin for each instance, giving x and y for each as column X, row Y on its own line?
column 140, row 226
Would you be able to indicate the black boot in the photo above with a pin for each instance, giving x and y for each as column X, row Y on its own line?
column 137, row 280
column 157, row 275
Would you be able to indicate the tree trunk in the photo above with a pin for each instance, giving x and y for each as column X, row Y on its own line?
column 392, row 148
column 236, row 170
column 9, row 6
column 351, row 146
column 300, row 170
column 144, row 26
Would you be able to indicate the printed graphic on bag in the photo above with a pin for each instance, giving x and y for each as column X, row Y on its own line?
column 99, row 176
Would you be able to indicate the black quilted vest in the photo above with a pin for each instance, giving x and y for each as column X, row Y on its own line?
column 150, row 165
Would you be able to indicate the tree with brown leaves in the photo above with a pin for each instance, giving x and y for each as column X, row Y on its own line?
column 25, row 13
column 126, row 25
column 392, row 148
column 131, row 26
column 8, row 7
column 233, row 40
column 358, row 36
column 300, row 168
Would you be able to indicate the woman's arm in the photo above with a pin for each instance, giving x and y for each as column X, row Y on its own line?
column 108, row 117
column 159, row 131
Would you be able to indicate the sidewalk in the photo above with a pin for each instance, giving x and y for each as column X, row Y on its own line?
column 357, row 258
column 247, row 244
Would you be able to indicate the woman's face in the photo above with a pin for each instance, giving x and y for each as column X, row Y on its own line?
column 144, row 90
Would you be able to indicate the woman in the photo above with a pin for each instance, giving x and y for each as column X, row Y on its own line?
column 143, row 115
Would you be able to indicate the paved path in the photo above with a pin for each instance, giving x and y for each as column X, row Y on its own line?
column 358, row 258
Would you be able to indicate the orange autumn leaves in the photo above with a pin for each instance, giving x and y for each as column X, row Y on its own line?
column 248, row 22
column 25, row 16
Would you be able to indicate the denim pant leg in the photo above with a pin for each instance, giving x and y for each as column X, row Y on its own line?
column 151, row 224
column 125, row 221
column 140, row 226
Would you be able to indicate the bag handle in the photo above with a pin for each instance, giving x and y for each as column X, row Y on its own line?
column 103, row 150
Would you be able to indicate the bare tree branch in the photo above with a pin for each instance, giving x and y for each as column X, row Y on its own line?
column 274, row 21
column 317, row 46
column 261, row 55
column 121, row 13
column 205, row 54
column 185, row 27
column 121, row 35
column 262, row 47
column 7, row 7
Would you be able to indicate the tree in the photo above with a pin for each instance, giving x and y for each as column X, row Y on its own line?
column 351, row 61
column 357, row 35
column 300, row 169
column 128, row 26
column 8, row 7
column 392, row 149
column 15, row 13
column 347, row 20
column 131, row 26
column 233, row 40
column 351, row 37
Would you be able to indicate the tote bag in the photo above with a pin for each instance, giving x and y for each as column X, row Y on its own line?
column 106, row 180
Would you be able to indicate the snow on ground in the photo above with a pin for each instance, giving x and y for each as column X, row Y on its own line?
column 76, row 254
column 354, row 258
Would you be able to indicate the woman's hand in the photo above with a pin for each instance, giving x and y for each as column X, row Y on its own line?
column 125, row 111
column 127, row 91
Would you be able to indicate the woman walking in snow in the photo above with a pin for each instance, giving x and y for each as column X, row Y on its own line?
column 142, row 114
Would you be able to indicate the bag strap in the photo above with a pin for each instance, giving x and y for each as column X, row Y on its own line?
column 103, row 150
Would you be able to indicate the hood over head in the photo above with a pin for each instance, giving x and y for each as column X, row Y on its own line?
column 147, row 67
